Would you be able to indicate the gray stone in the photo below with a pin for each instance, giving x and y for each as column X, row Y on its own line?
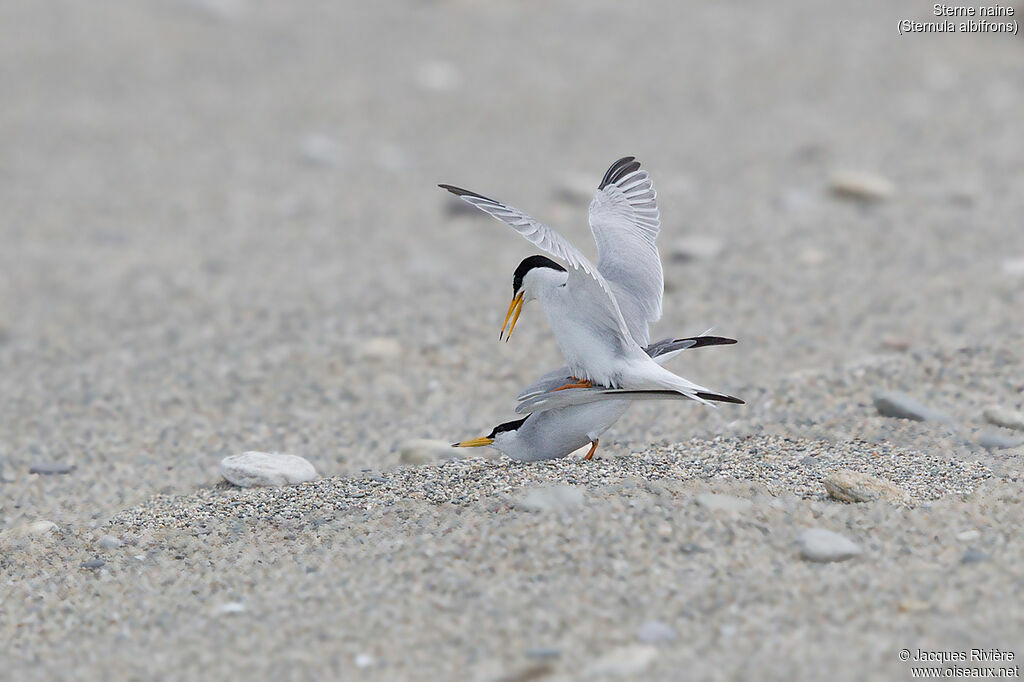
column 544, row 653
column 109, row 542
column 551, row 498
column 655, row 632
column 902, row 406
column 992, row 440
column 819, row 544
column 93, row 564
column 846, row 485
column 51, row 468
column 1008, row 419
column 256, row 469
column 974, row 556
column 723, row 503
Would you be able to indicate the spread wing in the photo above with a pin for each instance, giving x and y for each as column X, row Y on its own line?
column 585, row 396
column 585, row 281
column 625, row 222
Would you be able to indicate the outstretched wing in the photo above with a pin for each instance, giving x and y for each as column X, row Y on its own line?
column 585, row 280
column 625, row 222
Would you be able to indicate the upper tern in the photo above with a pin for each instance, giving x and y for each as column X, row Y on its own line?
column 599, row 315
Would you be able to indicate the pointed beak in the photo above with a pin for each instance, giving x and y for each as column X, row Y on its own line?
column 517, row 306
column 475, row 443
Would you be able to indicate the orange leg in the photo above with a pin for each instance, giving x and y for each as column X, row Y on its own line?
column 578, row 384
column 593, row 449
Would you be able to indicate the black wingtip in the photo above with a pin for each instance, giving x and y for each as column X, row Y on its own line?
column 704, row 341
column 619, row 170
column 460, row 192
column 719, row 398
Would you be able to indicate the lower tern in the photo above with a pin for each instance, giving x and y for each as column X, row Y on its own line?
column 555, row 433
column 600, row 320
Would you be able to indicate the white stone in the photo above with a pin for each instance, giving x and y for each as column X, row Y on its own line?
column 230, row 608
column 846, row 485
column 818, row 544
column 861, row 185
column 364, row 660
column 1014, row 267
column 623, row 661
column 252, row 469
column 1008, row 419
column 968, row 535
column 381, row 348
column 109, row 542
column 723, row 503
column 551, row 498
column 425, row 450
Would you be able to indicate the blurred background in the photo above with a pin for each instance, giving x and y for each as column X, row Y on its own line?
column 221, row 229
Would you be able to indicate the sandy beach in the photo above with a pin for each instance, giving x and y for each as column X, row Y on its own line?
column 222, row 233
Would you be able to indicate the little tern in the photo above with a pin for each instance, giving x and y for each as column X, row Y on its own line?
column 557, row 432
column 600, row 315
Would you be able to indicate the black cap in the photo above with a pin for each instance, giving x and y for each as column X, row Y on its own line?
column 529, row 264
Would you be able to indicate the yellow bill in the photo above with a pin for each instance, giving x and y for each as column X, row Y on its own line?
column 517, row 306
column 474, row 443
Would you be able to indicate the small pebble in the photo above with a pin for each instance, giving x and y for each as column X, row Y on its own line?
column 552, row 498
column 229, row 608
column 109, row 542
column 51, row 468
column 264, row 469
column 968, row 535
column 974, row 556
column 93, row 564
column 861, row 186
column 846, row 485
column 655, row 632
column 899, row 405
column 624, row 661
column 1008, row 419
column 380, row 348
column 819, row 544
column 544, row 653
column 364, row 660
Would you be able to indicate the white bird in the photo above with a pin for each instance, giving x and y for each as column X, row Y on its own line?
column 555, row 433
column 600, row 315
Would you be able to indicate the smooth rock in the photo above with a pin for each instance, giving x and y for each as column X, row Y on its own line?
column 551, row 498
column 51, row 469
column 1008, row 419
column 991, row 440
column 968, row 535
column 364, row 660
column 425, row 450
column 255, row 469
column 861, row 186
column 93, row 564
column 818, row 544
column 229, row 608
column 109, row 542
column 544, row 653
column 380, row 348
column 628, row 660
column 695, row 248
column 723, row 503
column 902, row 406
column 974, row 556
column 655, row 632
column 846, row 485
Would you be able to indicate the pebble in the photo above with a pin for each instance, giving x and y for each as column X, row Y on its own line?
column 380, row 348
column 974, row 556
column 93, row 564
column 1014, row 267
column 861, row 185
column 1008, row 419
column 552, row 498
column 229, row 608
column 968, row 535
column 109, row 542
column 51, row 468
column 695, row 248
column 628, row 660
column 655, row 632
column 902, row 406
column 252, row 469
column 818, row 544
column 723, row 503
column 544, row 653
column 991, row 440
column 364, row 660
column 846, row 485
column 426, row 450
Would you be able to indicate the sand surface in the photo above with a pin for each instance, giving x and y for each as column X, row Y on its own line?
column 221, row 232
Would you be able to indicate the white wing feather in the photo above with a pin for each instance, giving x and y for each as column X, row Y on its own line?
column 625, row 221
column 585, row 280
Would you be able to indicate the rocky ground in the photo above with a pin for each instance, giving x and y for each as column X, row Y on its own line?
column 222, row 233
